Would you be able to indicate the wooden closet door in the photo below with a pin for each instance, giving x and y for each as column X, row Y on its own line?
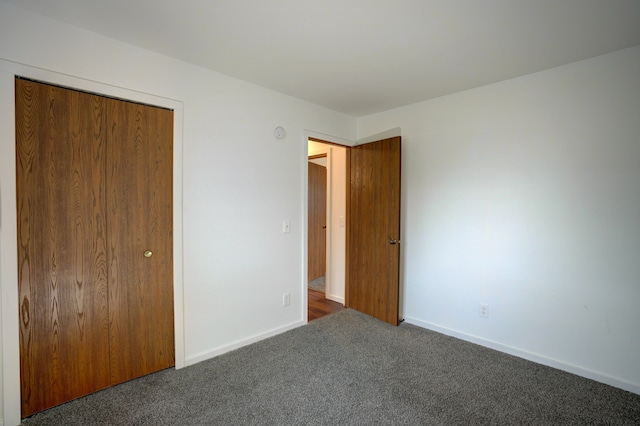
column 62, row 260
column 139, row 220
column 94, row 185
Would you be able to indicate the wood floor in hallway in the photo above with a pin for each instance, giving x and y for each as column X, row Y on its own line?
column 320, row 307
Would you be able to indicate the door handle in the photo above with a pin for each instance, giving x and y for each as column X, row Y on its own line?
column 148, row 253
column 392, row 241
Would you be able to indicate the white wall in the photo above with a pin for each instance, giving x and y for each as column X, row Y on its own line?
column 238, row 182
column 336, row 209
column 525, row 195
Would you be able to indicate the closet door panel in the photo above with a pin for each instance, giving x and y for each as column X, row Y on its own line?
column 140, row 239
column 63, row 297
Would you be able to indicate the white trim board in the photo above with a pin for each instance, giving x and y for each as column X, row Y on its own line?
column 203, row 356
column 530, row 356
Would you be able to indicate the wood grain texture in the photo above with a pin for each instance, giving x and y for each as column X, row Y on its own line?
column 317, row 240
column 60, row 146
column 139, row 218
column 94, row 185
column 319, row 306
column 347, row 242
column 374, row 220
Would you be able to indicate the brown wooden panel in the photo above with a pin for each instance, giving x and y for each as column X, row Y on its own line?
column 60, row 147
column 319, row 306
column 139, row 218
column 317, row 241
column 374, row 220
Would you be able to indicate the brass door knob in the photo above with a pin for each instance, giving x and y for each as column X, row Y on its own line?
column 148, row 253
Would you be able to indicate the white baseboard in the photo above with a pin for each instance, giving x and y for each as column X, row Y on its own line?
column 335, row 298
column 540, row 359
column 240, row 343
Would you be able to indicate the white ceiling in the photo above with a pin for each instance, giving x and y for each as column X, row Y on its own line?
column 362, row 56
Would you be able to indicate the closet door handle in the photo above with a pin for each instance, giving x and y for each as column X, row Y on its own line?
column 148, row 253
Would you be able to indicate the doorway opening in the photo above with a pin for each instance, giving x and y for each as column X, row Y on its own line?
column 327, row 228
column 367, row 278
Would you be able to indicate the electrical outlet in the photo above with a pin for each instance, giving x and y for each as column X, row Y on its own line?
column 286, row 299
column 484, row 310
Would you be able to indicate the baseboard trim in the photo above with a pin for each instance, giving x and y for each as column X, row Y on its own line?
column 335, row 298
column 203, row 356
column 530, row 356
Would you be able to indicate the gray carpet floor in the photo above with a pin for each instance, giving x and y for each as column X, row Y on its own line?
column 318, row 284
column 350, row 369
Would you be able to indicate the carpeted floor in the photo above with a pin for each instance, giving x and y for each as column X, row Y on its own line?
column 350, row 369
column 318, row 284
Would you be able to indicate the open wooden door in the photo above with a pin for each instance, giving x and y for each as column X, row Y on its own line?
column 373, row 236
column 317, row 244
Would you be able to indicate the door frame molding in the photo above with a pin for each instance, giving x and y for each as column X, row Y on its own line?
column 8, row 216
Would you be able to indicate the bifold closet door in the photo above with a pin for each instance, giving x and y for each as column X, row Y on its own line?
column 62, row 244
column 139, row 202
column 94, row 182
